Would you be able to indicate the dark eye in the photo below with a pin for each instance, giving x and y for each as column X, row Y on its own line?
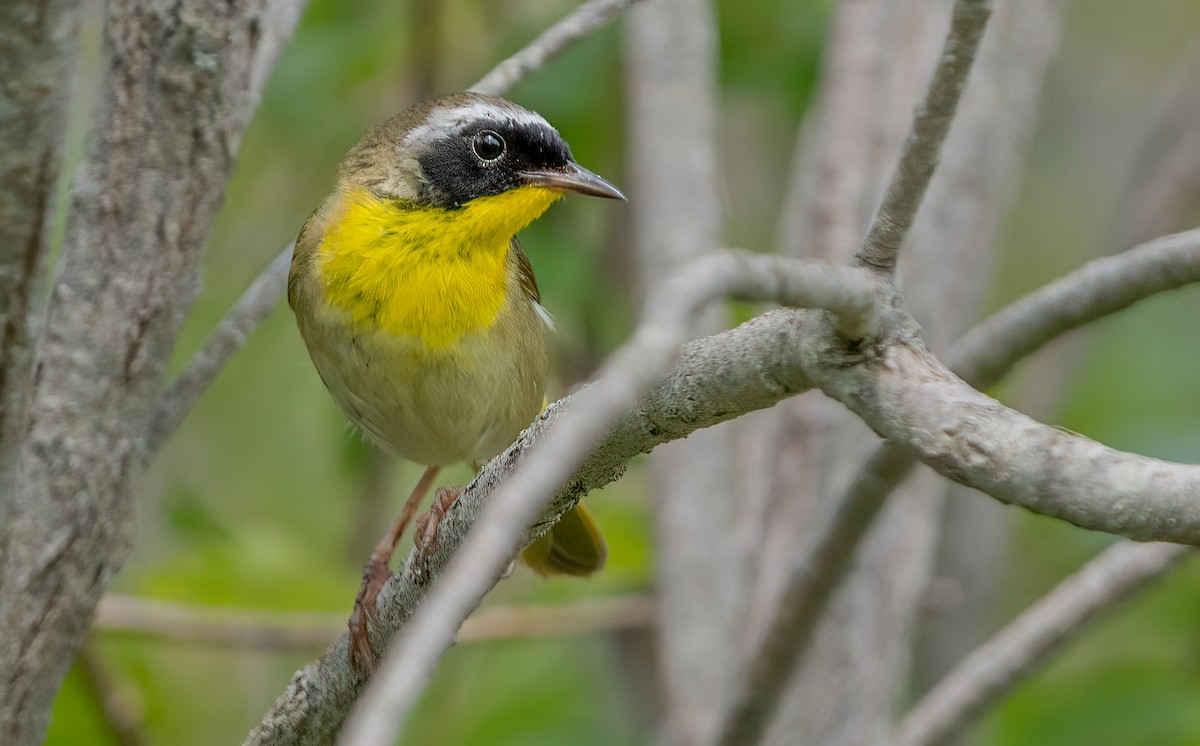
column 488, row 146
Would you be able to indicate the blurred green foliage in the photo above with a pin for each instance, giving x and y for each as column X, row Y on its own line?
column 253, row 502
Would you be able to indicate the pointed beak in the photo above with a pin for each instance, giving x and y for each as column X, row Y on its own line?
column 573, row 178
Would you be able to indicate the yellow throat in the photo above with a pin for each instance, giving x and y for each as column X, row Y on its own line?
column 426, row 272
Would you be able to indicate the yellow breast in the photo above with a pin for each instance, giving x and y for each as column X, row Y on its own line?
column 431, row 273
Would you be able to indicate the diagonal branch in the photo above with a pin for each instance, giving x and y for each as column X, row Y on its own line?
column 892, row 383
column 982, row 357
column 553, row 41
column 817, row 573
column 250, row 310
column 1101, row 287
column 846, row 292
column 996, row 668
column 922, row 149
column 714, row 380
column 908, row 396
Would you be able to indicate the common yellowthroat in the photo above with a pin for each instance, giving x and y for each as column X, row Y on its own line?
column 422, row 314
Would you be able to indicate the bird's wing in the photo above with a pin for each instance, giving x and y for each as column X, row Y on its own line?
column 529, row 283
column 525, row 273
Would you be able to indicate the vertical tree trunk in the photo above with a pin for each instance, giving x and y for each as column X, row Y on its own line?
column 181, row 81
column 677, row 218
column 38, row 45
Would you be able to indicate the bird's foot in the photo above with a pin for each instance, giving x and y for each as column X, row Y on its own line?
column 363, row 657
column 427, row 525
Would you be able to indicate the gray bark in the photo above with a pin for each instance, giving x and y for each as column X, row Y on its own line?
column 38, row 45
column 892, row 383
column 676, row 219
column 848, row 691
column 881, row 54
column 180, row 83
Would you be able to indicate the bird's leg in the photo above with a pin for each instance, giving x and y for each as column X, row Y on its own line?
column 376, row 572
column 427, row 525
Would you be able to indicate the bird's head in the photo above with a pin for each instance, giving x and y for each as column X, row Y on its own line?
column 453, row 150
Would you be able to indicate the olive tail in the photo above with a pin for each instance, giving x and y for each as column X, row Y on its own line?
column 574, row 546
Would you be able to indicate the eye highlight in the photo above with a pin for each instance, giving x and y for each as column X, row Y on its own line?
column 488, row 146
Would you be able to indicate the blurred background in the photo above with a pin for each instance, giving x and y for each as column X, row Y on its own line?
column 266, row 500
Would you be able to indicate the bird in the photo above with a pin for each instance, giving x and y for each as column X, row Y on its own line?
column 421, row 313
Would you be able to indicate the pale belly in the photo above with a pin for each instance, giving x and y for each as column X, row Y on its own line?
column 466, row 402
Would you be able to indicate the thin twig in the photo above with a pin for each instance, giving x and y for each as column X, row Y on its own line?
column 584, row 20
column 996, row 668
column 922, row 149
column 987, row 352
column 982, row 356
column 266, row 630
column 243, row 317
column 518, row 500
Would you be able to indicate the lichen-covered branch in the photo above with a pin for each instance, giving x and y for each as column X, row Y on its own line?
column 910, row 398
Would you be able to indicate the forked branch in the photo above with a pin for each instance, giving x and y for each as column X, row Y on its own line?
column 982, row 357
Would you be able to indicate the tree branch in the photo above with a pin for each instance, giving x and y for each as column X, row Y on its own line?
column 284, row 631
column 982, row 357
column 996, row 668
column 553, row 41
column 922, row 149
column 177, row 97
column 716, row 379
column 243, row 317
column 909, row 397
column 987, row 352
column 849, row 294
